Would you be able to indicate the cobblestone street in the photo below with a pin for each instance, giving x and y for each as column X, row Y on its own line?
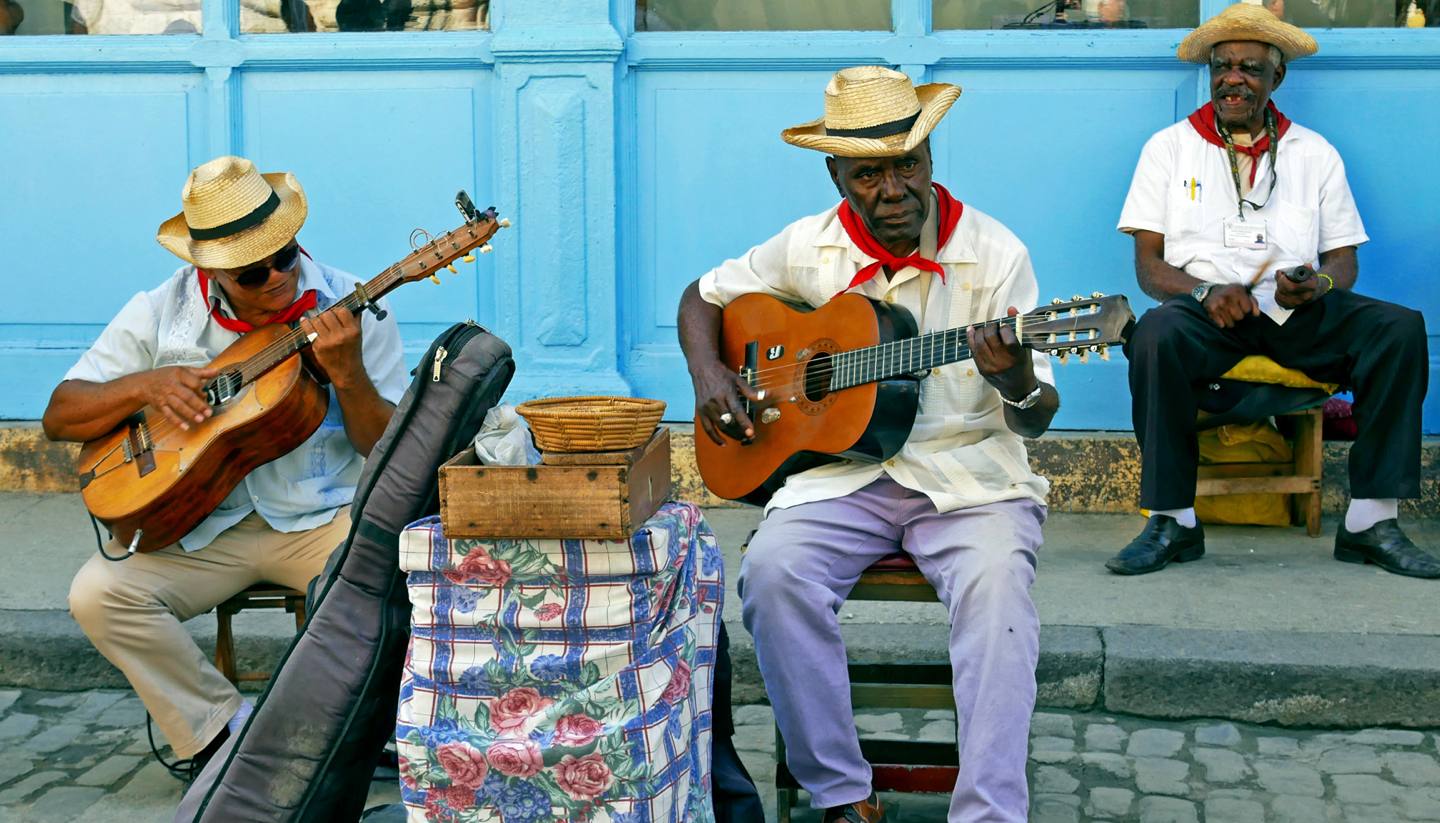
column 83, row 756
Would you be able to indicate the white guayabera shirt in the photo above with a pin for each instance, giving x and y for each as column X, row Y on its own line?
column 960, row 452
column 171, row 325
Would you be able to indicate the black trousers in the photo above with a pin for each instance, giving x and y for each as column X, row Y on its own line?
column 734, row 796
column 1378, row 349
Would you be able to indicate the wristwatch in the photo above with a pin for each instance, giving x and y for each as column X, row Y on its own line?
column 1027, row 401
column 1201, row 292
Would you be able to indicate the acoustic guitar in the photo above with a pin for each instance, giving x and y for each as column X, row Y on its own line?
column 151, row 482
column 843, row 381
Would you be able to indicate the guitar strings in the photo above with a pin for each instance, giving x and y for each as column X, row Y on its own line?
column 771, row 379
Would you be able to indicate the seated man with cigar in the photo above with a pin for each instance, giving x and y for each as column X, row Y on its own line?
column 243, row 269
column 1245, row 229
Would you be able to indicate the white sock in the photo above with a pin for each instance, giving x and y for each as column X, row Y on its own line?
column 1185, row 517
column 241, row 714
column 1364, row 513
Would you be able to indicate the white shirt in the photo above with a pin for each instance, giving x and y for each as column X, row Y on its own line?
column 960, row 452
column 1311, row 210
column 171, row 325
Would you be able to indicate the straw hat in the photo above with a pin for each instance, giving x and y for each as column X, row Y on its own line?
column 1244, row 21
column 233, row 215
column 872, row 111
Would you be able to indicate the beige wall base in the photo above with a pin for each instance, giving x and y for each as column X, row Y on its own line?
column 1088, row 471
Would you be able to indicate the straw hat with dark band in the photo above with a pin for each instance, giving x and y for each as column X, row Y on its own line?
column 1243, row 21
column 233, row 215
column 872, row 111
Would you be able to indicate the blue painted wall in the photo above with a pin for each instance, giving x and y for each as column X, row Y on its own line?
column 630, row 163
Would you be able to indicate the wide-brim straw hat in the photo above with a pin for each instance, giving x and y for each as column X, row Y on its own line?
column 233, row 215
column 873, row 111
column 1244, row 21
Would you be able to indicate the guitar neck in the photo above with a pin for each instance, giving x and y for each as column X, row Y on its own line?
column 907, row 356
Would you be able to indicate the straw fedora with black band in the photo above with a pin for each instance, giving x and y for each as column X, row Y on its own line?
column 873, row 111
column 1244, row 21
column 233, row 215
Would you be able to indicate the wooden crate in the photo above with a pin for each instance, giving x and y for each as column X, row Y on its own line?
column 608, row 497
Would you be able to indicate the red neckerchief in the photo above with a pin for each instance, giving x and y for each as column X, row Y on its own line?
column 1203, row 120
column 295, row 311
column 950, row 211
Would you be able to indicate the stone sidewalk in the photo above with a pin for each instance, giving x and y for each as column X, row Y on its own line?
column 84, row 756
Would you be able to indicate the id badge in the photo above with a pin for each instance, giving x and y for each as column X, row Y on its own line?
column 1249, row 233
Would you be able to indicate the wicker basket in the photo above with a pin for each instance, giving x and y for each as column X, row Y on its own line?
column 591, row 424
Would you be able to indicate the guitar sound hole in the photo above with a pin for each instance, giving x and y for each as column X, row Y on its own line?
column 818, row 373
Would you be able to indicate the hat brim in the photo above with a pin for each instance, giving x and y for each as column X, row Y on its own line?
column 246, row 246
column 935, row 100
column 1258, row 26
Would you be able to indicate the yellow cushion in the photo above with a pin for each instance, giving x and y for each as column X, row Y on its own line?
column 1260, row 369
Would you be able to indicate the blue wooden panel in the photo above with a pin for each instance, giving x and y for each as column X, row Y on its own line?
column 1394, row 173
column 93, row 165
column 380, row 154
column 1050, row 153
column 713, row 179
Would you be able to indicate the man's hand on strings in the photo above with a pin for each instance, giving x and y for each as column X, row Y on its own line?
column 337, row 346
column 1000, row 359
column 179, row 393
column 720, row 396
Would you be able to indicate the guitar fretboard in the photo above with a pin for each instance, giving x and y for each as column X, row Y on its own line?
column 912, row 354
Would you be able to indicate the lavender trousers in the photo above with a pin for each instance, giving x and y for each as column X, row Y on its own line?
column 798, row 570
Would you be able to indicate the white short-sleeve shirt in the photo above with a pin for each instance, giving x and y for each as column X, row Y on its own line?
column 171, row 325
column 1184, row 190
column 960, row 452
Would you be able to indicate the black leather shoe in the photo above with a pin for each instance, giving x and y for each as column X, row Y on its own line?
column 1162, row 542
column 868, row 810
column 1385, row 545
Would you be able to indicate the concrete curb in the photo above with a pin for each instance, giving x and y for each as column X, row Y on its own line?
column 1283, row 678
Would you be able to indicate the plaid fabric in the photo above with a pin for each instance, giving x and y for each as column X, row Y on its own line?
column 560, row 679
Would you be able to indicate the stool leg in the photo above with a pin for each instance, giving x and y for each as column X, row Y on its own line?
column 1309, row 462
column 225, row 647
column 784, row 796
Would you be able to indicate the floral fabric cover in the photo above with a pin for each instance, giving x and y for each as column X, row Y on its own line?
column 560, row 679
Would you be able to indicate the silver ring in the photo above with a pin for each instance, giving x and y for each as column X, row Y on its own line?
column 727, row 418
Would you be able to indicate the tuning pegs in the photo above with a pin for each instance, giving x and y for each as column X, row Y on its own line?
column 1097, row 294
column 1077, row 298
column 435, row 279
column 1057, row 301
column 503, row 223
column 486, row 249
column 1104, row 352
column 1084, row 355
column 469, row 258
column 451, row 267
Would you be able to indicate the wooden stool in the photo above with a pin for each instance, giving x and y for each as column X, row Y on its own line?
column 897, row 765
column 258, row 596
column 1299, row 477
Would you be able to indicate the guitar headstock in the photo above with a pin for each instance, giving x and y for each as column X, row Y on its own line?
column 432, row 254
column 1080, row 325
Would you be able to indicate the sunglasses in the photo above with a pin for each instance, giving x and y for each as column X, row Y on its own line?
column 257, row 275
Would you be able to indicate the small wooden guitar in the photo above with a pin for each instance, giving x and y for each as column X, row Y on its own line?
column 151, row 482
column 843, row 381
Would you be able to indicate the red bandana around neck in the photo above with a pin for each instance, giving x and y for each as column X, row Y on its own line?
column 293, row 312
column 1203, row 121
column 950, row 211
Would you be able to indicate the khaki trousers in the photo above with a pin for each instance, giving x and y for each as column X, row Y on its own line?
column 132, row 610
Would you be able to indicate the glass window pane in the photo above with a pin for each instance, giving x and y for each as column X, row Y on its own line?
column 762, row 15
column 1357, row 13
column 366, row 15
column 1066, row 14
column 99, row 17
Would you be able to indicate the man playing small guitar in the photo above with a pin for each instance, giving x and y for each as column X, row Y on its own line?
column 237, row 233
column 958, row 497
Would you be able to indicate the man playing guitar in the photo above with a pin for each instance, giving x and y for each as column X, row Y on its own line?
column 959, row 497
column 237, row 233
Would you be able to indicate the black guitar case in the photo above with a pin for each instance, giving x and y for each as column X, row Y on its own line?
column 308, row 751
